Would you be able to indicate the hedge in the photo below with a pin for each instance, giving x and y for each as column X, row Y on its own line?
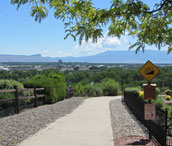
column 54, row 84
column 9, row 84
column 107, row 88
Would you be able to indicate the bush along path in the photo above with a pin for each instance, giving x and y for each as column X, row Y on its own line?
column 16, row 128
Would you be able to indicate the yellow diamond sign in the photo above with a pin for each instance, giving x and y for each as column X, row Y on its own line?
column 149, row 70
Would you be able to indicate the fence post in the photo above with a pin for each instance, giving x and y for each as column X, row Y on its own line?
column 16, row 99
column 36, row 99
column 123, row 95
column 165, row 130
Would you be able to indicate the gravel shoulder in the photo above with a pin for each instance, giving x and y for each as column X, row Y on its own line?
column 16, row 128
column 123, row 124
column 127, row 130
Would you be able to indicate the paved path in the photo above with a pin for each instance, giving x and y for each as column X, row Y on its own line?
column 88, row 125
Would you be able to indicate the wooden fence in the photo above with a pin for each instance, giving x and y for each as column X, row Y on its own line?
column 17, row 98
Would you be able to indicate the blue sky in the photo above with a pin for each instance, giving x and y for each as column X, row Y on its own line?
column 21, row 35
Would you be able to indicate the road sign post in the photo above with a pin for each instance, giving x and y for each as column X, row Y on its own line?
column 149, row 113
column 149, row 91
column 150, row 122
column 149, row 71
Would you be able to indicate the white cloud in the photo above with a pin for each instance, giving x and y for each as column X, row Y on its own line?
column 103, row 44
column 61, row 54
column 107, row 49
column 88, row 48
column 112, row 41
column 45, row 53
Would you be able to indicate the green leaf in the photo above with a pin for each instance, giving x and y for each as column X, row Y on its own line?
column 66, row 36
column 169, row 50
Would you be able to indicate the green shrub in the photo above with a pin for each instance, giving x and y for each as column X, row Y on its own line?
column 92, row 90
column 54, row 85
column 132, row 91
column 88, row 90
column 110, row 87
column 137, row 92
column 157, row 91
column 163, row 89
column 9, row 84
column 159, row 102
column 107, row 87
column 167, row 92
column 78, row 89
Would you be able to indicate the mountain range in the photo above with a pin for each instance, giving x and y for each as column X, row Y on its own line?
column 105, row 57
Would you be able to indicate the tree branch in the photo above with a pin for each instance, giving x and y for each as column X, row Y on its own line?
column 162, row 5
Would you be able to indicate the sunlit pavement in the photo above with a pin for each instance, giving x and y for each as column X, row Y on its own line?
column 88, row 125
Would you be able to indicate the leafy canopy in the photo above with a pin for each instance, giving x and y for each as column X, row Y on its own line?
column 82, row 19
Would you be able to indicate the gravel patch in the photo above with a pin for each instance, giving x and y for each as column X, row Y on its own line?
column 16, row 128
column 123, row 124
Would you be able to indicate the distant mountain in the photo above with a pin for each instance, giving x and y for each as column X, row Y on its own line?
column 124, row 57
column 25, row 58
column 105, row 57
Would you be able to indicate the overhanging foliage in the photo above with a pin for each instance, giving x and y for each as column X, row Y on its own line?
column 81, row 18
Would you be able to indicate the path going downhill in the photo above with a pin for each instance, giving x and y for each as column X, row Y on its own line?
column 88, row 125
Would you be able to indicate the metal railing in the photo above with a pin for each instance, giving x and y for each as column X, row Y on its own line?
column 158, row 126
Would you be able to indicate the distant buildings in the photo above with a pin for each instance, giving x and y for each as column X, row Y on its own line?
column 66, row 66
column 4, row 68
column 60, row 61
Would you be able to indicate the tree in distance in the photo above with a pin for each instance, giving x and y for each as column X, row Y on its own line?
column 81, row 19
